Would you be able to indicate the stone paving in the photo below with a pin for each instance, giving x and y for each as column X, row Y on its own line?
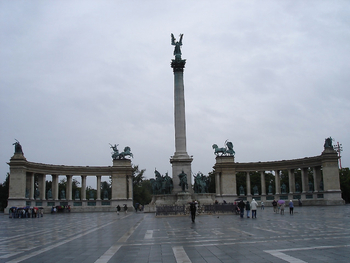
column 312, row 234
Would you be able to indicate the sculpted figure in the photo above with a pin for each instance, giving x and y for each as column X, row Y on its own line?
column 177, row 44
column 270, row 189
column 183, row 181
column 328, row 143
column 241, row 190
column 18, row 147
column 49, row 194
column 255, row 190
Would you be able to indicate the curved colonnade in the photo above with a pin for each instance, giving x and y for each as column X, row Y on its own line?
column 22, row 185
column 325, row 173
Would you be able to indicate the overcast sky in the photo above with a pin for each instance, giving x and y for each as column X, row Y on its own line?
column 270, row 76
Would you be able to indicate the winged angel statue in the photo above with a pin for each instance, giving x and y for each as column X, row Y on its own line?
column 177, row 44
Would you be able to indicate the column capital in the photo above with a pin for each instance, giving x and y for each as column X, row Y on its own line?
column 178, row 65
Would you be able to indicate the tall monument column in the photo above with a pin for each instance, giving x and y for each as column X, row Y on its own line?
column 181, row 161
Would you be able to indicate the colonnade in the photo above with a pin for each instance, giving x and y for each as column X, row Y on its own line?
column 28, row 185
column 324, row 188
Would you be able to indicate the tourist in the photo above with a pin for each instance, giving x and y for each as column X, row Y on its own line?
column 262, row 205
column 282, row 208
column 253, row 206
column 247, row 207
column 274, row 204
column 300, row 203
column 193, row 210
column 118, row 209
column 241, row 206
column 291, row 207
column 125, row 208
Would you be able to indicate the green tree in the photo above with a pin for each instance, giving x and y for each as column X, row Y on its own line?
column 141, row 187
column 344, row 175
column 4, row 192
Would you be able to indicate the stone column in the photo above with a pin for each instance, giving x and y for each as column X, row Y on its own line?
column 263, row 183
column 32, row 186
column 98, row 178
column 181, row 161
column 277, row 182
column 291, row 178
column 83, row 187
column 248, row 184
column 131, row 194
column 304, row 180
column 69, row 187
column 42, row 186
column 54, row 186
column 217, row 184
column 317, row 178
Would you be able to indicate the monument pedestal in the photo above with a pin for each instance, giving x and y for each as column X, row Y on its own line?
column 183, row 198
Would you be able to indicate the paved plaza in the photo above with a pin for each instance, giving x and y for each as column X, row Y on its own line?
column 312, row 234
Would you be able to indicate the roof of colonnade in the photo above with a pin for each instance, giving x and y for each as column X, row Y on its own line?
column 224, row 161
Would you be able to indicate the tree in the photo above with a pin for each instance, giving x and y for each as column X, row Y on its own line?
column 344, row 175
column 4, row 192
column 141, row 187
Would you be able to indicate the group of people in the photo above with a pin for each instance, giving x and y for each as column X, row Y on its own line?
column 125, row 207
column 26, row 212
column 278, row 207
column 247, row 206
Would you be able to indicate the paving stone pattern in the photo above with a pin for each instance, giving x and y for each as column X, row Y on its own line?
column 312, row 234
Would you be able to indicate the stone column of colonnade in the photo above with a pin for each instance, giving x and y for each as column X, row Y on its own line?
column 98, row 183
column 304, row 180
column 54, row 186
column 83, row 187
column 277, row 182
column 317, row 178
column 291, row 178
column 217, row 183
column 41, row 186
column 248, row 184
column 69, row 187
column 31, row 189
column 263, row 183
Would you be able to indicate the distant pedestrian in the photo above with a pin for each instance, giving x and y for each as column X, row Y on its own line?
column 241, row 206
column 282, row 208
column 274, row 204
column 300, row 203
column 125, row 208
column 253, row 206
column 291, row 207
column 193, row 210
column 262, row 206
column 247, row 208
column 118, row 209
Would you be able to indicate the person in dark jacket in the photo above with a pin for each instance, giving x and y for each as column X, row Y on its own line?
column 247, row 207
column 241, row 206
column 193, row 210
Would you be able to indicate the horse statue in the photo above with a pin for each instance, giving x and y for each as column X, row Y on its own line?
column 218, row 150
column 127, row 152
column 167, row 184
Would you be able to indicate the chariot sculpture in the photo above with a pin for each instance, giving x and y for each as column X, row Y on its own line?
column 116, row 155
column 227, row 150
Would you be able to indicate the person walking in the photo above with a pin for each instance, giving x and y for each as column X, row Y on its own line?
column 291, row 207
column 241, row 206
column 274, row 204
column 118, row 209
column 262, row 205
column 282, row 208
column 193, row 210
column 253, row 206
column 247, row 207
column 125, row 208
